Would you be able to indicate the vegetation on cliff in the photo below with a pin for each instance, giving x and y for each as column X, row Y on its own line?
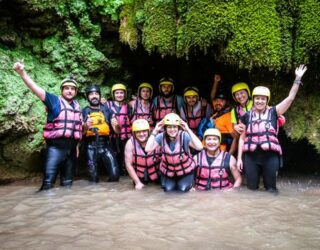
column 85, row 38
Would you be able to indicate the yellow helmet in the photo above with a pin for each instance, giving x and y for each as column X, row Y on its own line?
column 118, row 86
column 145, row 85
column 172, row 119
column 69, row 81
column 239, row 86
column 140, row 125
column 191, row 91
column 212, row 131
column 261, row 90
column 166, row 81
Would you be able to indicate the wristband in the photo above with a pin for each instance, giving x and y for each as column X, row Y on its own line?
column 297, row 81
column 154, row 134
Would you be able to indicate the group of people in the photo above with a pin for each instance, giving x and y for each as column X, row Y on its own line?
column 180, row 142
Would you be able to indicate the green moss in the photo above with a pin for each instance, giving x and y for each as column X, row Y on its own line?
column 308, row 31
column 159, row 29
column 256, row 39
column 205, row 23
column 22, row 114
column 128, row 31
column 107, row 7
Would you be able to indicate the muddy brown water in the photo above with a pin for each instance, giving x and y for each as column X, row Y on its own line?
column 115, row 216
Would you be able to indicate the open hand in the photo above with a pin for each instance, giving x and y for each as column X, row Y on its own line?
column 300, row 71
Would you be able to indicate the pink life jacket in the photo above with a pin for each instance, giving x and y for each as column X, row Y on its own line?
column 194, row 121
column 161, row 109
column 215, row 175
column 240, row 111
column 262, row 132
column 139, row 113
column 177, row 162
column 123, row 119
column 145, row 163
column 67, row 124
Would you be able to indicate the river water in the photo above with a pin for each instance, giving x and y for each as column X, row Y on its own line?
column 115, row 216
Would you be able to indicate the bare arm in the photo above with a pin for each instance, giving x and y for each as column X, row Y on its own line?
column 216, row 81
column 283, row 106
column 240, row 151
column 128, row 161
column 152, row 143
column 233, row 146
column 38, row 91
column 194, row 142
column 235, row 173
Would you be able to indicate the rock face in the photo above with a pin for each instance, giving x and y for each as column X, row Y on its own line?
column 86, row 38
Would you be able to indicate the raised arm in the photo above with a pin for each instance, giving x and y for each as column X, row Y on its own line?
column 283, row 106
column 152, row 143
column 216, row 81
column 194, row 142
column 38, row 91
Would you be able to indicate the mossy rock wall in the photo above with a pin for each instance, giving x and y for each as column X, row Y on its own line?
column 94, row 40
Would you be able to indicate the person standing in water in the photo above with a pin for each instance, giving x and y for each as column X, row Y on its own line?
column 62, row 131
column 259, row 150
column 142, row 106
column 99, row 124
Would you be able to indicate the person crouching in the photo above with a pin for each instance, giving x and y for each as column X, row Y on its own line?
column 177, row 165
column 142, row 167
column 213, row 166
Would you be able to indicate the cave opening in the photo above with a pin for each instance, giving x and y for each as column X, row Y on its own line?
column 299, row 157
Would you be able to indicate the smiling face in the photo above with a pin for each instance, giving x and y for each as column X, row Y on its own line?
column 260, row 102
column 219, row 104
column 241, row 96
column 172, row 131
column 212, row 143
column 94, row 98
column 119, row 95
column 142, row 136
column 68, row 93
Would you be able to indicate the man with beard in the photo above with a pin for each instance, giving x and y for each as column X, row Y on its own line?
column 221, row 119
column 142, row 167
column 122, row 111
column 166, row 102
column 97, row 131
column 63, row 129
column 141, row 106
column 195, row 108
